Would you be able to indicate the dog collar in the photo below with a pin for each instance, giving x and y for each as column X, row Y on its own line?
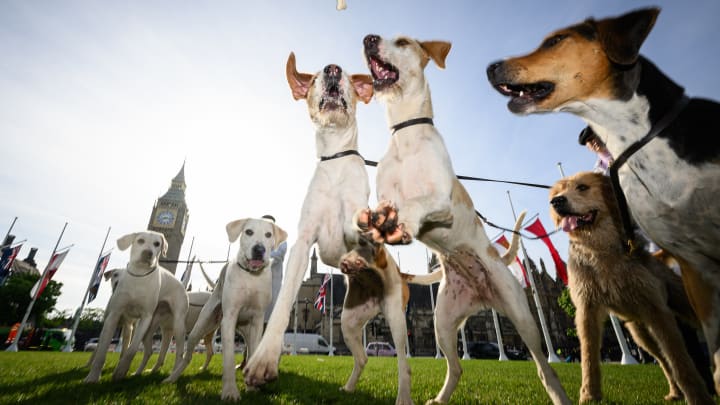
column 409, row 123
column 340, row 154
column 142, row 275
column 248, row 270
column 655, row 130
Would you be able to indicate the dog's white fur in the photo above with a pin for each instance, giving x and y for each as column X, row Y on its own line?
column 138, row 293
column 416, row 182
column 239, row 299
column 338, row 188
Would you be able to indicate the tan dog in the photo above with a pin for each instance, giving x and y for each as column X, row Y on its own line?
column 140, row 291
column 594, row 70
column 375, row 284
column 638, row 288
column 239, row 299
column 422, row 198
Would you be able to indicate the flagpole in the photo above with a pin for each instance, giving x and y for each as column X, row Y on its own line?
column 562, row 172
column 432, row 305
column 14, row 346
column 466, row 355
column 552, row 357
column 76, row 321
column 294, row 346
column 501, row 345
column 331, row 312
column 8, row 232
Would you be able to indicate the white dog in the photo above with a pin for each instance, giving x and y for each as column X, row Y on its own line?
column 421, row 197
column 139, row 292
column 338, row 188
column 239, row 299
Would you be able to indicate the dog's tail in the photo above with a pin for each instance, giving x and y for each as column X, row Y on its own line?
column 423, row 279
column 511, row 253
column 207, row 278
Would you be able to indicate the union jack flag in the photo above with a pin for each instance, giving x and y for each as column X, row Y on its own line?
column 6, row 260
column 320, row 297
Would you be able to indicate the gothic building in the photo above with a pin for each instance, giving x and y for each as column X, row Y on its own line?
column 170, row 216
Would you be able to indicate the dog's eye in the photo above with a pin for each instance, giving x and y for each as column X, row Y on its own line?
column 156, row 244
column 268, row 234
column 553, row 40
column 402, row 42
column 140, row 241
column 249, row 232
column 582, row 187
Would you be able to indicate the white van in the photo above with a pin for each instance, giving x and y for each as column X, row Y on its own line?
column 306, row 343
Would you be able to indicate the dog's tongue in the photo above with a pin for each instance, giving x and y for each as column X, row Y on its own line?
column 569, row 223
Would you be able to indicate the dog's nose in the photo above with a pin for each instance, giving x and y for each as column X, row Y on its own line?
column 332, row 71
column 371, row 42
column 493, row 68
column 258, row 252
column 558, row 201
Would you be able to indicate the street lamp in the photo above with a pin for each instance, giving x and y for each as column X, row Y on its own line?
column 306, row 301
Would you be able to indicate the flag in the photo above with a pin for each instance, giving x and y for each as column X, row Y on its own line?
column 6, row 260
column 97, row 276
column 516, row 268
column 185, row 279
column 52, row 267
column 539, row 230
column 320, row 297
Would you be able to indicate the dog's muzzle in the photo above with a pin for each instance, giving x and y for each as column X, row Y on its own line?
column 332, row 95
column 384, row 74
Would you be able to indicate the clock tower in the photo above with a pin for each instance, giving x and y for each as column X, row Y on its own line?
column 170, row 217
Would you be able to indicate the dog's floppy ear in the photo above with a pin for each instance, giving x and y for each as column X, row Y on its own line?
column 109, row 273
column 621, row 37
column 437, row 51
column 363, row 85
column 299, row 82
column 234, row 228
column 280, row 236
column 126, row 241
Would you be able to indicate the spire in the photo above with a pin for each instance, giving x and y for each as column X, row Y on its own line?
column 176, row 192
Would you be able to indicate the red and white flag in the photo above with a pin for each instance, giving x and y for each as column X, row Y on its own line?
column 320, row 297
column 52, row 267
column 538, row 229
column 516, row 268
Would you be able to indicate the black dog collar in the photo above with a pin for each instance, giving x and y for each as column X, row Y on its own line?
column 340, row 154
column 409, row 123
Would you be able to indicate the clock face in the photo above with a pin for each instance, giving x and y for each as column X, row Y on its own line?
column 165, row 217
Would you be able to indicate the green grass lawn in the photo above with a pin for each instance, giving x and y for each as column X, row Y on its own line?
column 49, row 377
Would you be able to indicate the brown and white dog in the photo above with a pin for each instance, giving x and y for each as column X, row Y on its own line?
column 637, row 287
column 422, row 198
column 375, row 284
column 337, row 190
column 594, row 70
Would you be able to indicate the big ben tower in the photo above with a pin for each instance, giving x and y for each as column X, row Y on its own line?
column 170, row 217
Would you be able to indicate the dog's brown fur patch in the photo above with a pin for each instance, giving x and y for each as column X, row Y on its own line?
column 638, row 288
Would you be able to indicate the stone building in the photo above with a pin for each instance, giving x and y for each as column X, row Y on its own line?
column 170, row 217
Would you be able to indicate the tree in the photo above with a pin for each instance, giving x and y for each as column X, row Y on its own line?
column 565, row 302
column 15, row 298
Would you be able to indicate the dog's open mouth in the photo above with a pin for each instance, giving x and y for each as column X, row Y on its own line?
column 384, row 74
column 255, row 264
column 522, row 95
column 332, row 99
column 571, row 222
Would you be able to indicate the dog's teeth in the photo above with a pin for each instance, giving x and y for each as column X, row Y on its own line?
column 521, row 93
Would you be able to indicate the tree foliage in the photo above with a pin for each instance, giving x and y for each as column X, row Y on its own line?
column 565, row 302
column 15, row 298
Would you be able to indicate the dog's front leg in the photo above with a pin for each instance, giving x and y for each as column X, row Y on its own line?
column 395, row 315
column 263, row 365
column 98, row 358
column 589, row 320
column 352, row 321
column 227, row 332
column 126, row 358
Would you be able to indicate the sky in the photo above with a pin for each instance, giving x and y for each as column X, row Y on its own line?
column 102, row 102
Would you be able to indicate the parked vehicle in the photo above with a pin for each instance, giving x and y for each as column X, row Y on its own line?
column 91, row 345
column 307, row 343
column 380, row 349
column 490, row 350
